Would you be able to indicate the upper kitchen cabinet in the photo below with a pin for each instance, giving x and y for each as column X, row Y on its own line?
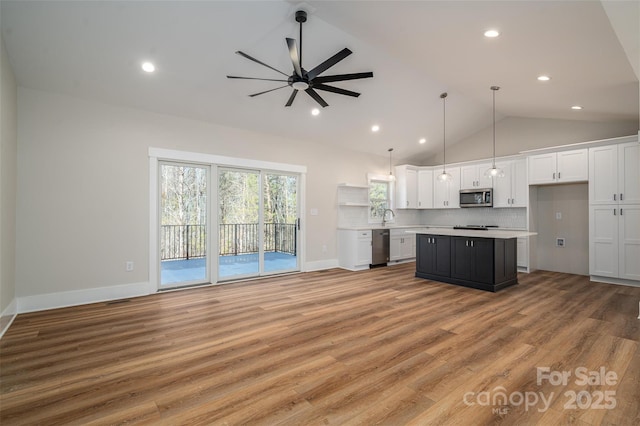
column 614, row 174
column 353, row 204
column 406, row 187
column 559, row 167
column 353, row 195
column 511, row 190
column 447, row 194
column 425, row 188
column 472, row 177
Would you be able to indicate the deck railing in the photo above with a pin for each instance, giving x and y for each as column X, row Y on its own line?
column 189, row 241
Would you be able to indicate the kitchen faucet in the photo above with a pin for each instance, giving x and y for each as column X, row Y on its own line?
column 384, row 216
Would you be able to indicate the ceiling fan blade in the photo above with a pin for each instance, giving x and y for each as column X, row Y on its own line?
column 329, row 63
column 295, row 59
column 336, row 90
column 253, row 78
column 259, row 62
column 343, row 77
column 291, row 98
column 316, row 97
column 267, row 91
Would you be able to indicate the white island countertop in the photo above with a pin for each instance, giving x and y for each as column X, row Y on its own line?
column 490, row 233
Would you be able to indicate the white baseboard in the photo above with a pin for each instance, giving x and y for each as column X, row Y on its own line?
column 7, row 316
column 618, row 281
column 41, row 302
column 319, row 265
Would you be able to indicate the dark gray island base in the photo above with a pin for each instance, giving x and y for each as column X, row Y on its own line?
column 476, row 262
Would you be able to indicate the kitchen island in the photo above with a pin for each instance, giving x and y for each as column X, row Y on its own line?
column 482, row 259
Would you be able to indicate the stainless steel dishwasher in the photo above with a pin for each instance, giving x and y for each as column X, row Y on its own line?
column 379, row 247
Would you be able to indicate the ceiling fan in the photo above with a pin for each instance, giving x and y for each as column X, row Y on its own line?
column 309, row 81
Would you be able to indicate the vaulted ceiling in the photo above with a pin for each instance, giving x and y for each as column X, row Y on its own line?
column 416, row 49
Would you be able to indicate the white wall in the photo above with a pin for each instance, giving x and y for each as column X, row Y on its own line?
column 516, row 134
column 83, row 180
column 8, row 153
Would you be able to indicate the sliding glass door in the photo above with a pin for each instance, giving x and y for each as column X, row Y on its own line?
column 238, row 224
column 183, row 225
column 281, row 225
column 257, row 223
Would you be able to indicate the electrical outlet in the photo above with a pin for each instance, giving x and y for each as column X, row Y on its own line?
column 128, row 267
column 560, row 242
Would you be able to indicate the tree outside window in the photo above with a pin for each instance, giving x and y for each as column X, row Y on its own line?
column 379, row 199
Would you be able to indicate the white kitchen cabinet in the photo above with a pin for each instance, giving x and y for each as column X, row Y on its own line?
column 406, row 187
column 512, row 189
column 353, row 195
column 614, row 174
column 559, row 167
column 447, row 194
column 353, row 204
column 522, row 255
column 354, row 249
column 425, row 188
column 614, row 241
column 472, row 176
column 402, row 245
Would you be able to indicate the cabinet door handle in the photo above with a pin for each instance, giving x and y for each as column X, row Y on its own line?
column 466, row 243
column 554, row 176
column 621, row 196
column 558, row 175
column 407, row 203
column 615, row 212
column 614, row 197
column 620, row 212
column 471, row 243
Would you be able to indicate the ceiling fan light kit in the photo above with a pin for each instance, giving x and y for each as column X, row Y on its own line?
column 308, row 81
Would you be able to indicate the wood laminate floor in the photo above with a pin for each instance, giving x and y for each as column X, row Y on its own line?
column 331, row 348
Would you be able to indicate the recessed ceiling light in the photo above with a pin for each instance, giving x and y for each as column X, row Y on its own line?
column 315, row 111
column 544, row 78
column 491, row 33
column 148, row 67
column 375, row 128
column 576, row 107
column 423, row 140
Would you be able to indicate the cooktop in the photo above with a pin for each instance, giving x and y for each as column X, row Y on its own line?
column 475, row 227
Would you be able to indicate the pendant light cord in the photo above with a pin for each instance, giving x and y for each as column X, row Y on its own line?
column 444, row 132
column 494, row 89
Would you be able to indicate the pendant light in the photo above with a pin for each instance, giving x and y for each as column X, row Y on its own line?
column 494, row 171
column 391, row 176
column 444, row 176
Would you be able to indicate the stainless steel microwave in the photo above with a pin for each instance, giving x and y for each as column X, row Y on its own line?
column 476, row 197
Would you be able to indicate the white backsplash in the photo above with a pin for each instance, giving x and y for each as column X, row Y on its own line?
column 408, row 217
column 504, row 218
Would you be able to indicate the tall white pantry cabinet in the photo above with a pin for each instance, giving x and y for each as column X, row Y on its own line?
column 614, row 211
